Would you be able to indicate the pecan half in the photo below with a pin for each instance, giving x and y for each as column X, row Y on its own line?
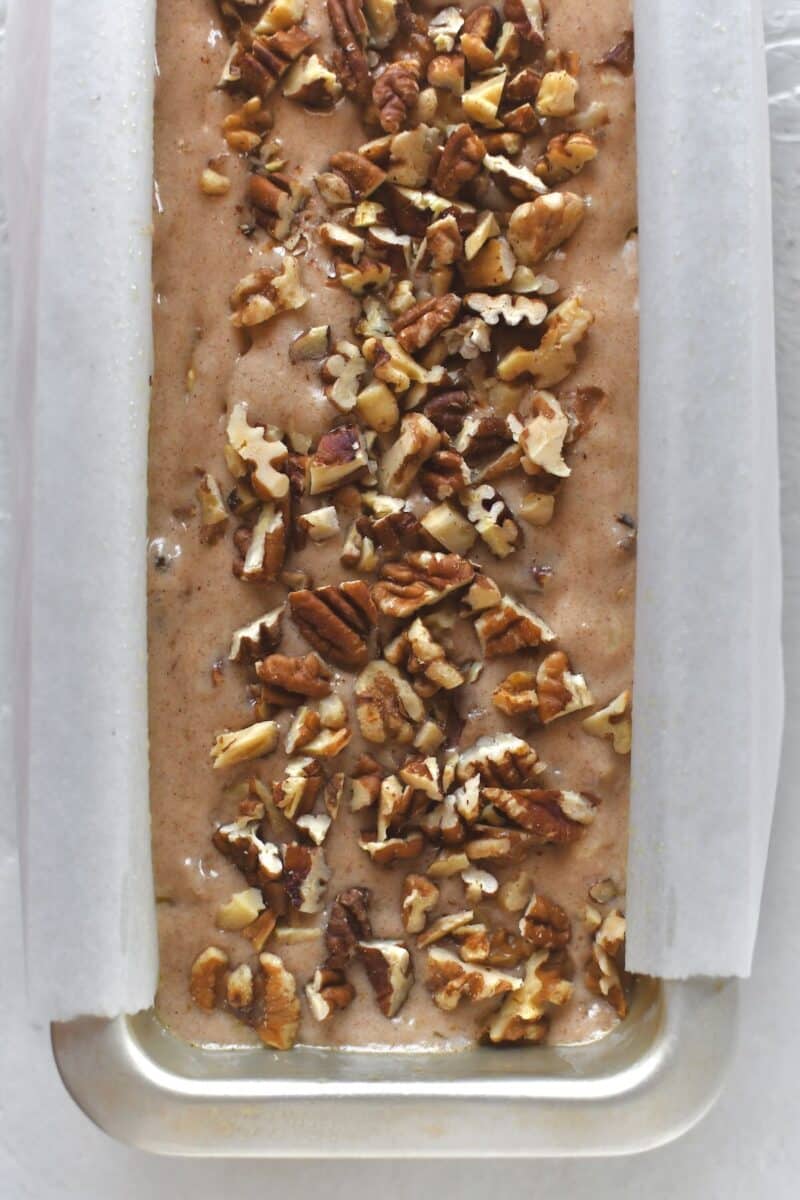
column 336, row 620
column 460, row 162
column 350, row 61
column 423, row 578
column 395, row 93
column 286, row 678
column 542, row 812
column 348, row 924
column 545, row 924
column 420, row 324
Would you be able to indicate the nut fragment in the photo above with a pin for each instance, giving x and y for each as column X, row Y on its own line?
column 545, row 924
column 523, row 1015
column 499, row 759
column 264, row 293
column 395, row 849
column 259, row 861
column 537, row 508
column 443, row 475
column 360, row 176
column 297, row 792
column 620, row 56
column 450, row 529
column 280, row 1019
column 239, row 990
column 559, row 691
column 444, row 927
column 541, row 436
column 420, row 895
column 348, row 924
column 241, row 910
column 605, row 972
column 261, row 635
column 514, row 894
column 421, row 323
column 390, row 971
column 328, row 992
column 417, row 441
column 450, row 980
column 213, row 514
column 491, row 266
column 387, row 707
column 549, row 815
column 538, row 226
column 510, row 627
column 311, row 83
column 614, row 722
column 516, row 694
column 264, row 455
column 238, row 746
column 287, row 678
column 262, row 548
column 395, row 93
column 565, row 155
column 424, row 659
column 207, row 972
column 556, row 96
column 306, row 876
column 482, row 101
column 492, row 519
column 336, row 620
column 461, row 161
column 555, row 356
column 423, row 578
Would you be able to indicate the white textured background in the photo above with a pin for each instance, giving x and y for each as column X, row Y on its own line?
column 746, row 1149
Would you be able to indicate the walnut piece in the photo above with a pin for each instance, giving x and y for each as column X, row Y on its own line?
column 261, row 550
column 500, row 759
column 417, row 441
column 394, row 849
column 492, row 518
column 549, row 815
column 559, row 691
column 390, row 971
column 557, row 93
column 296, row 793
column 423, row 578
column 262, row 453
column 460, row 162
column 450, row 980
column 545, row 924
column 336, row 620
column 328, row 992
column 259, row 296
column 240, row 841
column 311, row 83
column 620, row 56
column 241, row 745
column 538, row 226
column 510, row 627
column 419, row 896
column 241, row 910
column 541, row 436
column 421, row 323
column 523, row 1015
column 387, row 707
column 565, row 155
column 556, row 355
column 614, row 722
column 424, row 659
column 280, row 1018
column 605, row 974
column 516, row 694
column 444, row 927
column 206, row 977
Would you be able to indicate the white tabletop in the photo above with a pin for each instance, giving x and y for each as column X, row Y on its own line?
column 747, row 1148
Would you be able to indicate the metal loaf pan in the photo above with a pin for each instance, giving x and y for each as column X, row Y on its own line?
column 642, row 1085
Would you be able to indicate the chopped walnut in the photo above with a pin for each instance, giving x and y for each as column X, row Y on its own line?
column 421, row 323
column 244, row 129
column 423, row 578
column 262, row 453
column 280, row 14
column 395, row 366
column 287, row 678
column 498, row 845
column 538, row 226
column 510, row 310
column 523, row 1015
column 541, row 436
column 614, row 722
column 516, row 694
column 500, row 759
column 450, row 980
column 260, row 931
column 311, row 83
column 565, row 155
column 492, row 519
column 315, row 825
column 261, row 295
column 276, row 200
column 393, row 803
column 605, row 974
column 482, row 594
column 259, row 61
column 207, row 973
column 514, row 894
column 348, row 924
column 241, row 910
column 321, row 524
column 417, row 441
column 537, row 508
column 443, row 475
column 557, row 93
column 424, row 659
column 280, row 1019
column 390, row 971
column 555, row 356
column 411, row 156
column 448, row 864
column 460, row 162
column 492, row 266
column 478, row 885
column 261, row 550
column 510, row 627
column 337, row 620
column 340, row 457
column 443, row 241
column 558, row 690
column 387, row 707
column 383, row 21
column 328, row 992
column 549, row 815
column 306, row 876
column 620, row 56
column 420, row 895
column 527, row 17
column 239, row 989
column 241, row 745
column 516, row 178
column 545, row 924
column 296, row 794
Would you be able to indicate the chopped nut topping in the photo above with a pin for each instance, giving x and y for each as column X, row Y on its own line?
column 306, row 876
column 239, row 990
column 449, row 528
column 620, row 56
column 390, row 971
column 241, row 745
column 280, row 14
column 280, row 1019
column 395, row 93
column 420, row 324
column 262, row 453
column 514, row 894
column 509, row 627
column 241, row 910
column 450, row 980
column 461, row 160
column 492, row 265
column 444, row 927
column 538, row 226
column 351, row 32
column 527, row 17
column 537, row 508
column 287, row 678
column 545, row 924
column 311, row 83
column 511, row 310
column 208, row 970
column 550, row 816
column 382, row 18
column 213, row 514
column 614, row 722
column 565, row 156
column 424, row 578
column 542, row 435
column 261, row 295
column 395, row 849
column 259, row 861
column 516, row 694
column 557, row 93
column 212, row 183
column 420, row 895
column 315, row 825
column 555, row 357
column 478, row 885
column 387, row 707
column 417, row 441
column 482, row 101
column 523, row 1015
column 348, row 924
column 336, row 620
column 559, row 691
column 491, row 516
column 501, row 759
column 328, row 992
column 262, row 549
column 605, row 972
column 520, row 182
column 483, row 594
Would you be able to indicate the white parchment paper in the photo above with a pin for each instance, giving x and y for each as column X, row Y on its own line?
column 78, row 177
column 708, row 680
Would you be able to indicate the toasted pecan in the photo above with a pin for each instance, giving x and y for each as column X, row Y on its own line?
column 336, row 620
